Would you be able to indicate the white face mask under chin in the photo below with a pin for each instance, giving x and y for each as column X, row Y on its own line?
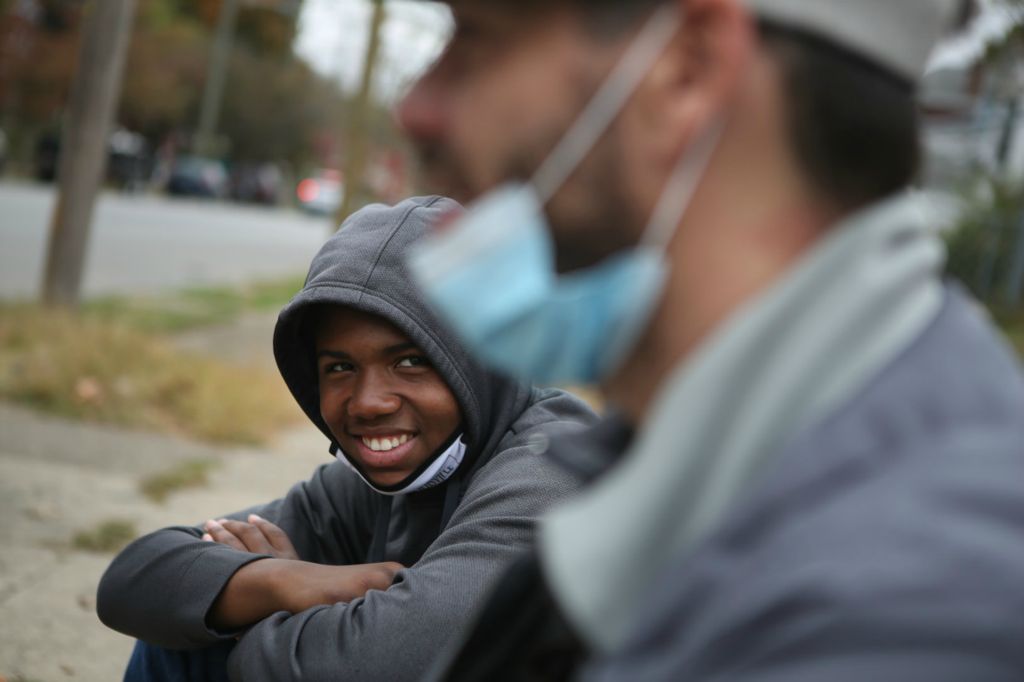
column 440, row 470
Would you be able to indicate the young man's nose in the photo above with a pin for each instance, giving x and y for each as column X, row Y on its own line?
column 373, row 398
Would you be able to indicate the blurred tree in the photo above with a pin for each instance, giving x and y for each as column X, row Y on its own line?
column 986, row 250
column 262, row 25
column 38, row 48
column 175, row 49
column 1014, row 36
column 99, row 73
column 267, row 30
column 358, row 124
column 60, row 15
column 982, row 244
column 274, row 108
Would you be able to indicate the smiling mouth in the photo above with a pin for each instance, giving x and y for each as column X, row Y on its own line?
column 385, row 444
column 384, row 452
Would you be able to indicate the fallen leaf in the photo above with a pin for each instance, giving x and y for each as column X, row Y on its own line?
column 88, row 390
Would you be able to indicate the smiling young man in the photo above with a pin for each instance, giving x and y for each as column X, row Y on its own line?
column 369, row 369
column 812, row 465
column 371, row 567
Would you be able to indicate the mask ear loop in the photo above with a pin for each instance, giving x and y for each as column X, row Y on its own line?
column 679, row 189
column 609, row 101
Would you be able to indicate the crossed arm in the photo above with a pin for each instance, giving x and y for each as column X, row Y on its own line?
column 282, row 582
column 174, row 590
column 171, row 589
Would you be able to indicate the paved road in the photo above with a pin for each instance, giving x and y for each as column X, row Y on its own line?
column 144, row 244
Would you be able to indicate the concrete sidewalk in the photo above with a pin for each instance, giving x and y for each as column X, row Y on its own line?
column 58, row 477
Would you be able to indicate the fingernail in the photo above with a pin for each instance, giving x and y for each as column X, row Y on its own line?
column 207, row 537
column 213, row 524
column 255, row 517
column 222, row 520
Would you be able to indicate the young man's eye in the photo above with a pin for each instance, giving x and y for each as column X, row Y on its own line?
column 414, row 361
column 337, row 367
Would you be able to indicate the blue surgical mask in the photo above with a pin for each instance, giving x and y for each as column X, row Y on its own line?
column 491, row 274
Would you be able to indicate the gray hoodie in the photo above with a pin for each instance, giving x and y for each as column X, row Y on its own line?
column 455, row 538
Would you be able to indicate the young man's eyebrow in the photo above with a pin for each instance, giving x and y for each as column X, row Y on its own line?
column 336, row 354
column 401, row 348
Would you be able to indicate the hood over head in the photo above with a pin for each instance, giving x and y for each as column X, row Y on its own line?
column 362, row 266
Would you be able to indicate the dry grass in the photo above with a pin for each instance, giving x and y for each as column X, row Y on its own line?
column 108, row 537
column 191, row 474
column 83, row 367
column 193, row 308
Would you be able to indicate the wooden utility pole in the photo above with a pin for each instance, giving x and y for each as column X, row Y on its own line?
column 216, row 77
column 354, row 171
column 94, row 96
column 206, row 142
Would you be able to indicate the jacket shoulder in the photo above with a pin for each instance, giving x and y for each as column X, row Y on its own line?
column 521, row 477
column 893, row 527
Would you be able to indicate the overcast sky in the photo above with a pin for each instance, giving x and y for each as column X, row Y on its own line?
column 333, row 34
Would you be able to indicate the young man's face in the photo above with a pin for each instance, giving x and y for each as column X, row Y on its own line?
column 387, row 407
column 513, row 79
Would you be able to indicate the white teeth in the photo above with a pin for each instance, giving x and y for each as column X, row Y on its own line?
column 385, row 444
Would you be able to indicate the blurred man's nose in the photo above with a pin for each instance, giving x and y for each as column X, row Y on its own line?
column 373, row 398
column 422, row 112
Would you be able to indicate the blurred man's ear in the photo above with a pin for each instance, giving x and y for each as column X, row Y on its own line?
column 705, row 66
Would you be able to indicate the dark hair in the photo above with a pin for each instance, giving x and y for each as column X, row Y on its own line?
column 853, row 124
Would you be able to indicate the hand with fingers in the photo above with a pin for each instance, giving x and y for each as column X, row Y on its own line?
column 282, row 582
column 258, row 536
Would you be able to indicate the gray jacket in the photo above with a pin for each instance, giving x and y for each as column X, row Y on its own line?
column 455, row 538
column 886, row 543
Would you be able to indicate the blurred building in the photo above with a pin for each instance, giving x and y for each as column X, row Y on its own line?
column 974, row 116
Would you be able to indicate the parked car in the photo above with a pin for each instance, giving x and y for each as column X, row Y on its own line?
column 256, row 183
column 47, row 155
column 321, row 192
column 129, row 162
column 197, row 176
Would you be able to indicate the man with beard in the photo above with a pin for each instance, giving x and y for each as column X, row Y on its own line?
column 812, row 466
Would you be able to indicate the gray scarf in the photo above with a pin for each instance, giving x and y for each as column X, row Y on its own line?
column 789, row 358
